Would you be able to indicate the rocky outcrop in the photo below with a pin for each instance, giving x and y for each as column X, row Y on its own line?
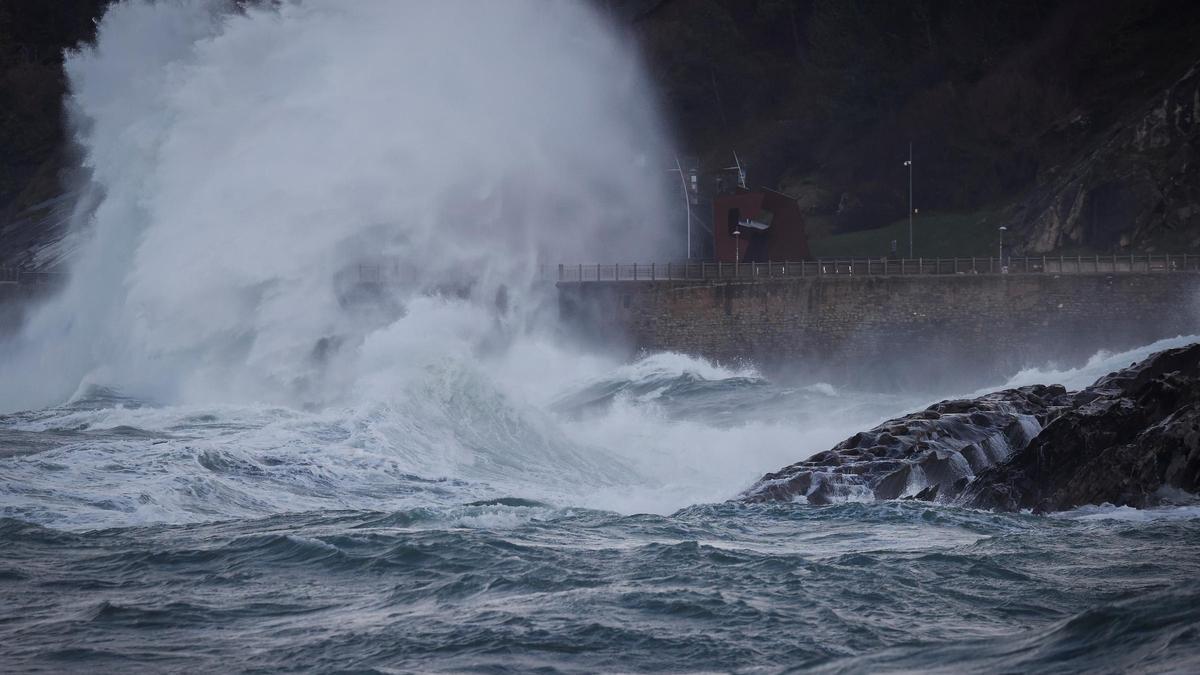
column 931, row 454
column 1132, row 438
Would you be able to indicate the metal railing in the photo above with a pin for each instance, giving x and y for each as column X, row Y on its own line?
column 844, row 267
column 821, row 267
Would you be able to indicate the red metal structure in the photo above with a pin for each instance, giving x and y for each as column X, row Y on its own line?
column 758, row 226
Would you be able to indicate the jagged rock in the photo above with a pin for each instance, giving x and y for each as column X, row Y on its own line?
column 927, row 454
column 1132, row 438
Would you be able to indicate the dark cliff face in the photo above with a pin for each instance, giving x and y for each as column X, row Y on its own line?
column 1138, row 183
column 34, row 149
column 1130, row 439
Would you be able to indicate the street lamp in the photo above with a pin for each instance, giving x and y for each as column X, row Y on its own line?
column 909, row 164
column 737, row 246
column 1003, row 229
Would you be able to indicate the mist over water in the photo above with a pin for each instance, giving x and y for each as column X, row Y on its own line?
column 217, row 416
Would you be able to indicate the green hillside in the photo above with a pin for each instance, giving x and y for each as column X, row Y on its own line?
column 936, row 235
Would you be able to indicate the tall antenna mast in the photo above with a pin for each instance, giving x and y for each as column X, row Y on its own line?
column 687, row 204
column 741, row 171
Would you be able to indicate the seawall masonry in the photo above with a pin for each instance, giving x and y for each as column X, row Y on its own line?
column 942, row 330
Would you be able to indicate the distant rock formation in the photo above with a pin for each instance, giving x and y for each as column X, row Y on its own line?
column 1132, row 438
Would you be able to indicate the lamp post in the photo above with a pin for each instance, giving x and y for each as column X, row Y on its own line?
column 909, row 164
column 737, row 247
column 1003, row 229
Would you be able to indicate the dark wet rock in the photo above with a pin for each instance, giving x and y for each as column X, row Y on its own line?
column 925, row 455
column 1131, row 439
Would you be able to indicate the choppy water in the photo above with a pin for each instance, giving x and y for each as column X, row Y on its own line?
column 520, row 586
column 155, row 538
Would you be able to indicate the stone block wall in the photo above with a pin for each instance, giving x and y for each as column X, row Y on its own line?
column 908, row 331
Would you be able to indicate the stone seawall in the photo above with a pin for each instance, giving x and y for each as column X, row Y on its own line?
column 935, row 330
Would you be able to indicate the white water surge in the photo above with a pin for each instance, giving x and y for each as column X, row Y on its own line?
column 251, row 161
column 248, row 162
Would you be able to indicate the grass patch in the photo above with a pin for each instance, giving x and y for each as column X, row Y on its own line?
column 935, row 235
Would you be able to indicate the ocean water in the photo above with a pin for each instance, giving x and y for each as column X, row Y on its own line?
column 220, row 452
column 142, row 537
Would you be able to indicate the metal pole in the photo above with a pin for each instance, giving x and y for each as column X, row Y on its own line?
column 909, row 164
column 687, row 204
column 1002, row 229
